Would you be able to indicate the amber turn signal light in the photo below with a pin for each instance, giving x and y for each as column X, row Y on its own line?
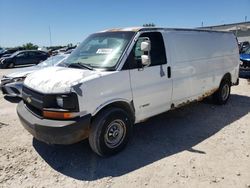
column 58, row 115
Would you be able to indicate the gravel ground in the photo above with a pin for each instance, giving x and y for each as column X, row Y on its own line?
column 199, row 145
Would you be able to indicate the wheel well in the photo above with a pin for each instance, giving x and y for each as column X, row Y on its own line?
column 227, row 76
column 128, row 107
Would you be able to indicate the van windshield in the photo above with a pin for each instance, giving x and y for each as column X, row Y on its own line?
column 100, row 51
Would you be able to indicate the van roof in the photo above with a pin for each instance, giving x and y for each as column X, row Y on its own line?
column 137, row 29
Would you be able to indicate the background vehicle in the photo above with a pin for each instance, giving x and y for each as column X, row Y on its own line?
column 7, row 52
column 245, row 59
column 66, row 50
column 119, row 77
column 11, row 85
column 25, row 57
column 243, row 46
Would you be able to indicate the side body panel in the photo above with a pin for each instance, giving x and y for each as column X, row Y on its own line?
column 199, row 61
column 151, row 86
column 152, row 91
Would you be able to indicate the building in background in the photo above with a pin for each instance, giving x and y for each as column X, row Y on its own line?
column 241, row 29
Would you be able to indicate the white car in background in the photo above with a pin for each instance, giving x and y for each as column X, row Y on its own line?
column 11, row 84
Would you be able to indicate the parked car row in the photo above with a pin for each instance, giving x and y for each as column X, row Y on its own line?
column 11, row 84
column 10, row 58
column 24, row 57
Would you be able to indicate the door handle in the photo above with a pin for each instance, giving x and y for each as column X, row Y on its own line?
column 169, row 72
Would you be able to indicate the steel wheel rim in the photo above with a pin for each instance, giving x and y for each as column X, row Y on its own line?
column 225, row 92
column 115, row 133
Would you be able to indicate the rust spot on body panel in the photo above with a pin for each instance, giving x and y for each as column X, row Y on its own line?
column 208, row 93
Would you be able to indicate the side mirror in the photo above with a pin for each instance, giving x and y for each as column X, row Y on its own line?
column 145, row 60
column 146, row 46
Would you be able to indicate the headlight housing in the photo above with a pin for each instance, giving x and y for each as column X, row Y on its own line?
column 61, row 106
column 67, row 101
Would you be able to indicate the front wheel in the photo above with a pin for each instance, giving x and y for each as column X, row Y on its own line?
column 110, row 131
column 222, row 95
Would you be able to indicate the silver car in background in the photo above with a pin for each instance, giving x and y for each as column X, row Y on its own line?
column 11, row 84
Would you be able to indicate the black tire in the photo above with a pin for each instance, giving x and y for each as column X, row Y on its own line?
column 11, row 65
column 222, row 95
column 103, row 131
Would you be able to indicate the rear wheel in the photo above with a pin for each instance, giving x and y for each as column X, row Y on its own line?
column 222, row 95
column 110, row 131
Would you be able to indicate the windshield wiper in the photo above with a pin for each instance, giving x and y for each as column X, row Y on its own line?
column 81, row 65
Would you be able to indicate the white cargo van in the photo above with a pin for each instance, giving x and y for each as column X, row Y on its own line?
column 119, row 77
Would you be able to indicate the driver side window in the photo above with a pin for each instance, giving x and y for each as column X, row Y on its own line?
column 157, row 53
column 137, row 49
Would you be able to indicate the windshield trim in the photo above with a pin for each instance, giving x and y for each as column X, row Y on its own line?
column 119, row 62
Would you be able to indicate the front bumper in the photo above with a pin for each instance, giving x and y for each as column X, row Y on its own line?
column 12, row 89
column 54, row 131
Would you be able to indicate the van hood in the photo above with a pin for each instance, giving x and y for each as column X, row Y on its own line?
column 58, row 79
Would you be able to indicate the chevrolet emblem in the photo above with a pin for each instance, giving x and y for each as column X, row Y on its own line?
column 28, row 100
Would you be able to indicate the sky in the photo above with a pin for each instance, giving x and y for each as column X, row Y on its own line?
column 70, row 21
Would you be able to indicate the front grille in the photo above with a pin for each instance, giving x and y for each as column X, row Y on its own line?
column 33, row 100
column 33, row 93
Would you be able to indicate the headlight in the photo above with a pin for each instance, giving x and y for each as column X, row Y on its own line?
column 67, row 101
column 64, row 106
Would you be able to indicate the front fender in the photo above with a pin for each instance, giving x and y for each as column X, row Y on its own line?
column 105, row 104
